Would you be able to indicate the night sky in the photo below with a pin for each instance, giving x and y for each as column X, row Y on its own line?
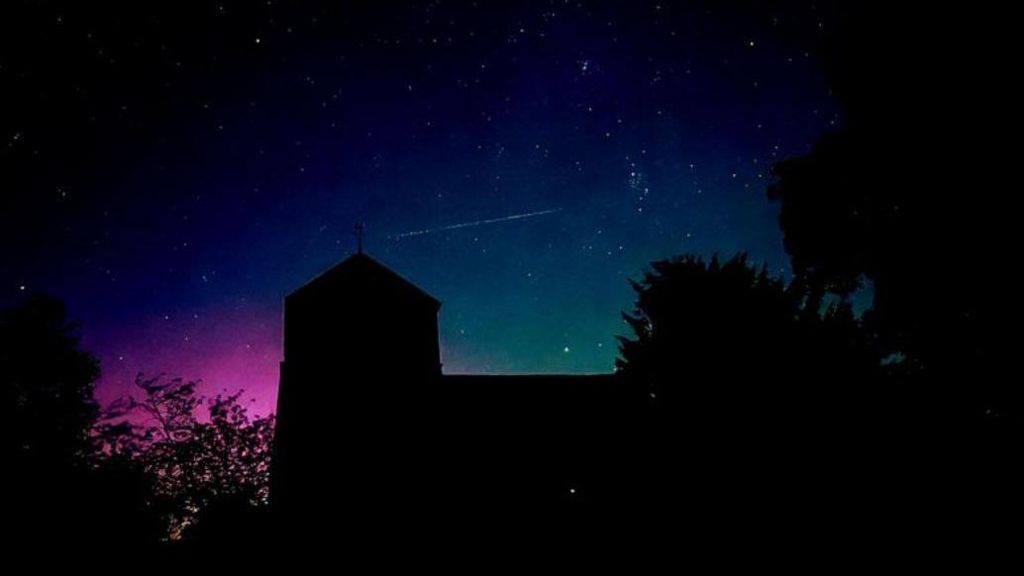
column 172, row 169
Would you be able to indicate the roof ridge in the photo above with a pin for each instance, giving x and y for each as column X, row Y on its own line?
column 363, row 257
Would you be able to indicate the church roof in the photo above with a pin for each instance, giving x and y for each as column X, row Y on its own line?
column 359, row 272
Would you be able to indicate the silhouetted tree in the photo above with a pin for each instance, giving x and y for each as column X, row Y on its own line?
column 746, row 378
column 910, row 194
column 192, row 464
column 46, row 411
column 80, row 479
column 696, row 322
column 57, row 496
column 47, row 385
column 713, row 329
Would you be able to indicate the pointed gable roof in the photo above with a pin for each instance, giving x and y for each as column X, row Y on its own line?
column 360, row 274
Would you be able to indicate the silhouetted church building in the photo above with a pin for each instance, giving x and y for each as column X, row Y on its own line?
column 368, row 423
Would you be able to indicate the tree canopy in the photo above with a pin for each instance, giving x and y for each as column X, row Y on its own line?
column 193, row 463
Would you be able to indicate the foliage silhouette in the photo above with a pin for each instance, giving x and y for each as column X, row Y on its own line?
column 701, row 328
column 913, row 204
column 910, row 193
column 57, row 497
column 130, row 475
column 191, row 464
column 48, row 380
column 745, row 378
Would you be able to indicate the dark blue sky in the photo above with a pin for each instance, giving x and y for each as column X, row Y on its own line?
column 173, row 171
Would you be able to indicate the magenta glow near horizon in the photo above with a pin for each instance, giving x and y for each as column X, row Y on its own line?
column 227, row 351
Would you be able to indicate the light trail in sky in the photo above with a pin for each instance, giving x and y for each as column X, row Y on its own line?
column 475, row 223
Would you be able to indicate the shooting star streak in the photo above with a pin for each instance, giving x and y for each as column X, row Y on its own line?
column 475, row 223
